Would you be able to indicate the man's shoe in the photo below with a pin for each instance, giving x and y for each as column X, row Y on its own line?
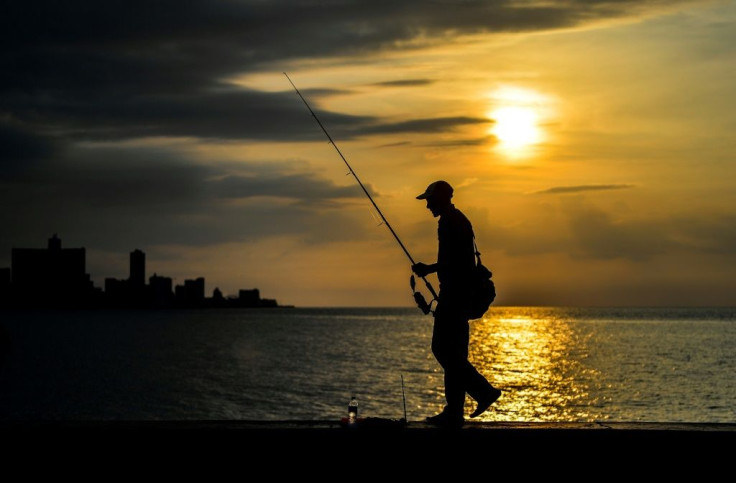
column 486, row 402
column 447, row 420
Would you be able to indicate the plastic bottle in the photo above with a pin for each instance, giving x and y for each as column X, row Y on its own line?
column 353, row 410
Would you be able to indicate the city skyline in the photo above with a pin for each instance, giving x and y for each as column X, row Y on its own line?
column 55, row 277
column 589, row 142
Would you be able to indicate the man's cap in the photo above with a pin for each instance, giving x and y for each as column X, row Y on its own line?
column 438, row 188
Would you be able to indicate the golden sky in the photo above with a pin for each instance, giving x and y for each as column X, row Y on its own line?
column 590, row 143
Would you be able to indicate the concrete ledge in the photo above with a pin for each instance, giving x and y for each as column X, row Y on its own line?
column 372, row 430
column 362, row 426
column 377, row 447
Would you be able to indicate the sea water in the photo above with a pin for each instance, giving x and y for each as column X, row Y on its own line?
column 553, row 364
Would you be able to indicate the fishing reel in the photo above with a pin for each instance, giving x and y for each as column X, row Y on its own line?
column 422, row 303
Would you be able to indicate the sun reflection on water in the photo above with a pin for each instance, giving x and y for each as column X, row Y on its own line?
column 536, row 357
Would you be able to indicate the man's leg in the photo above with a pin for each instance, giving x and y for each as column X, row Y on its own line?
column 460, row 375
column 479, row 388
column 450, row 346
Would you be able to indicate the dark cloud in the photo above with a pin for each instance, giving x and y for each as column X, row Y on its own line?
column 582, row 188
column 20, row 144
column 118, row 198
column 116, row 69
column 392, row 145
column 590, row 232
column 404, row 83
column 709, row 233
column 227, row 114
column 598, row 235
column 256, row 30
column 303, row 187
column 602, row 234
column 433, row 125
column 483, row 141
column 224, row 114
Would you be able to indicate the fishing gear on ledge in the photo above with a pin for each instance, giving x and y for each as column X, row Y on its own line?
column 418, row 297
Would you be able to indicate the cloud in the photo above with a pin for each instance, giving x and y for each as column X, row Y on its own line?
column 226, row 114
column 483, row 141
column 396, row 144
column 19, row 143
column 404, row 83
column 598, row 235
column 605, row 235
column 116, row 198
column 713, row 233
column 582, row 188
column 303, row 187
column 230, row 114
column 432, row 125
column 121, row 69
column 579, row 229
column 259, row 31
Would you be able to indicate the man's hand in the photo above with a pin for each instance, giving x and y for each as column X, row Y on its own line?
column 422, row 269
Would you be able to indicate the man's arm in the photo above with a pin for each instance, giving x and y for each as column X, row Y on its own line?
column 422, row 269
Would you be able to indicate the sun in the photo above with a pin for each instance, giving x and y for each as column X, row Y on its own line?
column 517, row 115
column 516, row 128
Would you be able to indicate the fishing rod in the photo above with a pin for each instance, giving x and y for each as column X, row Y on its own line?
column 403, row 396
column 417, row 296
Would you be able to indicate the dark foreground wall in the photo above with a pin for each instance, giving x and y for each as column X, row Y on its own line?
column 262, row 450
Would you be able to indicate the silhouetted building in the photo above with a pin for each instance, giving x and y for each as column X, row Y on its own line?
column 53, row 276
column 159, row 291
column 252, row 298
column 55, row 243
column 132, row 292
column 191, row 294
column 137, row 276
column 249, row 298
column 268, row 303
column 4, row 284
column 117, row 292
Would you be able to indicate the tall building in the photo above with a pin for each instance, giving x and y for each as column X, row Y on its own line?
column 249, row 298
column 53, row 276
column 137, row 268
column 191, row 293
column 161, row 294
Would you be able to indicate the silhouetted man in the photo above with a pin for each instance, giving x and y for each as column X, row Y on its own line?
column 451, row 333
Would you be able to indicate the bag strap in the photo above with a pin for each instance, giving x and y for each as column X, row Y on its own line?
column 477, row 253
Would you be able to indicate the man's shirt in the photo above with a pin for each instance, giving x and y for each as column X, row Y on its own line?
column 456, row 253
